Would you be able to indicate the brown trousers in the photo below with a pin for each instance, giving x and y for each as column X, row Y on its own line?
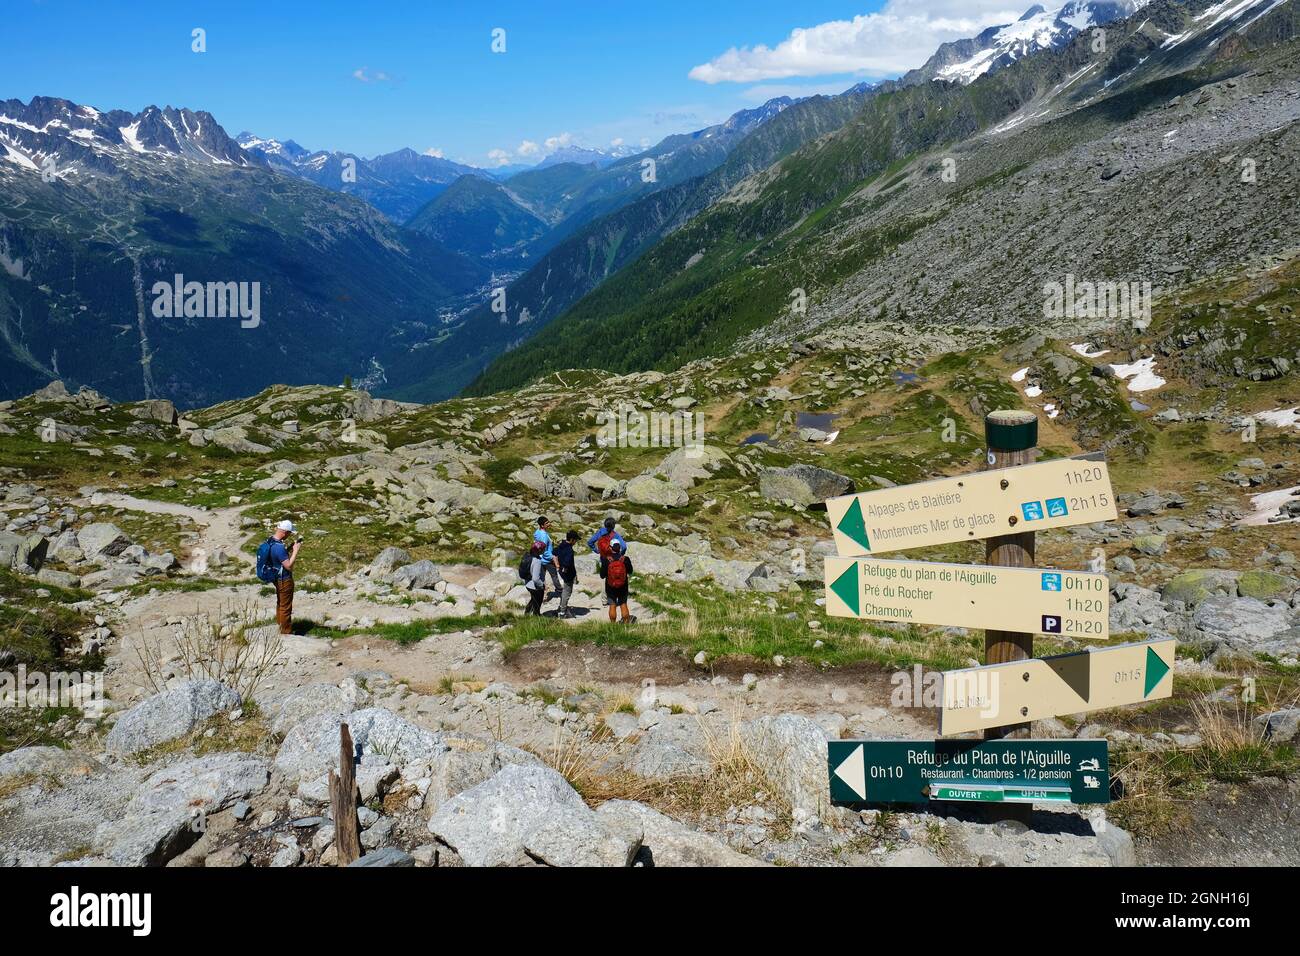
column 284, row 604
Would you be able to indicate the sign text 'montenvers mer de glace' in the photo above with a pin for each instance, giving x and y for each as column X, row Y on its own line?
column 985, row 504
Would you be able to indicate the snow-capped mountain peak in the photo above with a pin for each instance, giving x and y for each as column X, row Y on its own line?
column 1038, row 28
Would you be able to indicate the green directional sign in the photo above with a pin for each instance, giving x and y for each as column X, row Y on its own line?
column 984, row 771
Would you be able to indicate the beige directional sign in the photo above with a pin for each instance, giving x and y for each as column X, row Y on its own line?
column 996, row 695
column 1048, row 494
column 1030, row 600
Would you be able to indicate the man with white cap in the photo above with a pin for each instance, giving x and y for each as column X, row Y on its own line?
column 281, row 560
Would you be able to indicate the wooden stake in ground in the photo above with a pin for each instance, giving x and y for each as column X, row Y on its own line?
column 1012, row 439
column 343, row 801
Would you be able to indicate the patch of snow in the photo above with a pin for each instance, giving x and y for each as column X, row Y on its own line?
column 18, row 158
column 1020, row 375
column 132, row 136
column 1266, row 506
column 1033, row 391
column 1281, row 417
column 1082, row 349
column 1143, row 373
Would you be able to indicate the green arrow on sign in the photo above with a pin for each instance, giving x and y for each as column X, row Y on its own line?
column 846, row 587
column 1156, row 670
column 854, row 526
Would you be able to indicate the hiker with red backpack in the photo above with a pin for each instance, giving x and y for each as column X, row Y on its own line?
column 616, row 571
column 600, row 542
column 275, row 566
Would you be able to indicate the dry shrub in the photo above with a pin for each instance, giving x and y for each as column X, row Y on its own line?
column 230, row 646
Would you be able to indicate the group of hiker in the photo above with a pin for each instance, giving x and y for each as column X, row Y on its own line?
column 547, row 559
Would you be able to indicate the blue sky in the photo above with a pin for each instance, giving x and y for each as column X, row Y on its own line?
column 371, row 77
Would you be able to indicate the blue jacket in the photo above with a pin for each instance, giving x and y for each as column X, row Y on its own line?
column 600, row 533
column 544, row 538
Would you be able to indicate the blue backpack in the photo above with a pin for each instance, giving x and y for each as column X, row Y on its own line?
column 268, row 570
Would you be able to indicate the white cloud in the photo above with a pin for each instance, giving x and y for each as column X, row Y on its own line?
column 527, row 148
column 434, row 152
column 898, row 38
column 616, row 141
column 498, row 157
column 558, row 142
column 365, row 76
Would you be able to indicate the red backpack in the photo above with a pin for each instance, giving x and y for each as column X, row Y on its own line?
column 616, row 573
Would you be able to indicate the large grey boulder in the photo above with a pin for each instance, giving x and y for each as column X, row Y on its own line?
column 732, row 575
column 548, row 482
column 102, row 538
column 466, row 763
column 209, row 783
column 692, row 463
column 529, row 814
column 805, row 485
column 168, row 813
column 674, row 747
column 155, row 409
column 792, row 750
column 170, row 715
column 665, row 842
column 1241, row 622
column 51, row 763
column 648, row 490
column 388, row 559
column 654, row 559
column 1280, row 726
column 311, row 749
column 421, row 574
column 292, row 707
column 9, row 545
column 1193, row 587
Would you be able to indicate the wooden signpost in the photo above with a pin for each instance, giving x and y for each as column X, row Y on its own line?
column 1011, row 600
column 1071, row 603
column 1011, row 497
column 997, row 695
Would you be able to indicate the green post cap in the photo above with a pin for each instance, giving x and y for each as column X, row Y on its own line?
column 1010, row 430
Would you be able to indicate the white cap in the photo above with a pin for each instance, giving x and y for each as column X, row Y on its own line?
column 285, row 525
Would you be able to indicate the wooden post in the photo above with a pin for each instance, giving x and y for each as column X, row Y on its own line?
column 343, row 801
column 1011, row 437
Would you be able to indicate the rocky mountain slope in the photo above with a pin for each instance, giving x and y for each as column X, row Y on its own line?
column 1113, row 168
column 698, row 733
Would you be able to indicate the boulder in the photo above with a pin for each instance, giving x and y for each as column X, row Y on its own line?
column 791, row 749
column 1266, row 585
column 311, row 748
column 494, row 504
column 388, row 559
column 155, row 410
column 665, row 842
column 732, row 575
column 421, row 574
column 172, row 714
column 674, row 747
column 208, row 784
column 1280, row 726
column 655, row 559
column 648, row 490
column 313, row 700
column 1241, row 622
column 806, row 485
column 1193, row 587
column 102, row 538
column 530, row 814
column 48, row 762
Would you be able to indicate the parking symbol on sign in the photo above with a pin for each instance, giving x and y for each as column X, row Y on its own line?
column 1051, row 624
column 1032, row 510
